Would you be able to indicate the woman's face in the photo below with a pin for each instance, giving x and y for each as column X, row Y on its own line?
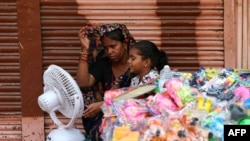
column 136, row 63
column 115, row 50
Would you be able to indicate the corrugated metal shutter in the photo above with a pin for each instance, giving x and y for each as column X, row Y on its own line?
column 190, row 31
column 60, row 24
column 10, row 97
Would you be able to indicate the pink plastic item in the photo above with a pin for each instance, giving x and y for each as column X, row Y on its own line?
column 242, row 93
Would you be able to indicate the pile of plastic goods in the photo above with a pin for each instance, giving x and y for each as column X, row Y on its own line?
column 185, row 106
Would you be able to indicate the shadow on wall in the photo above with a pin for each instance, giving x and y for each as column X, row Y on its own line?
column 179, row 38
column 192, row 33
column 60, row 23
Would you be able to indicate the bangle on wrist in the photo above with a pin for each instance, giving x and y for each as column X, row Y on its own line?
column 83, row 58
column 83, row 61
column 83, row 53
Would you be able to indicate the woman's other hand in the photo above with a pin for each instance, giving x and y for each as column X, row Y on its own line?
column 92, row 109
column 84, row 40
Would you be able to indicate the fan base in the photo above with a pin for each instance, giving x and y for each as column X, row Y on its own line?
column 62, row 134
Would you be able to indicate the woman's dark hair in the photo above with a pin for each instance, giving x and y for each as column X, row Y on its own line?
column 118, row 36
column 149, row 50
column 115, row 35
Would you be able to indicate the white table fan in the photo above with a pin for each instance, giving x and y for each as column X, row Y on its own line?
column 62, row 94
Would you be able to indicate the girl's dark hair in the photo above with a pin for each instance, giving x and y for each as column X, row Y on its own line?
column 149, row 50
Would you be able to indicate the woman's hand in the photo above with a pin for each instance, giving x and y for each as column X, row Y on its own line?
column 92, row 109
column 84, row 40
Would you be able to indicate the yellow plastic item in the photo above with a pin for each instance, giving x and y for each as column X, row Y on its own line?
column 204, row 104
column 211, row 72
column 123, row 133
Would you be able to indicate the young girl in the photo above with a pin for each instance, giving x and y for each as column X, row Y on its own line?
column 146, row 60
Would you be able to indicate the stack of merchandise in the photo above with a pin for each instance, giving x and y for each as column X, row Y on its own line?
column 185, row 106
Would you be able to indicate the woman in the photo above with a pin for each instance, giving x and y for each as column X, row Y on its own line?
column 109, row 72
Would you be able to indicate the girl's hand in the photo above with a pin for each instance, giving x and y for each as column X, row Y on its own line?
column 92, row 110
column 84, row 40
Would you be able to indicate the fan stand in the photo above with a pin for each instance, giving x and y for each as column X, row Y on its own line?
column 65, row 134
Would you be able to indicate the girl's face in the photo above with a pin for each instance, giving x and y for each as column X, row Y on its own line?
column 137, row 64
column 115, row 50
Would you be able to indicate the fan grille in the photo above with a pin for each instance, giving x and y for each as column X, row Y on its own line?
column 61, row 82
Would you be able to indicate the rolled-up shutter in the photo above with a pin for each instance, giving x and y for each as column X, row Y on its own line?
column 190, row 31
column 10, row 97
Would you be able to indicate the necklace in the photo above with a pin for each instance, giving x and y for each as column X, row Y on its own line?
column 121, row 80
column 119, row 70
